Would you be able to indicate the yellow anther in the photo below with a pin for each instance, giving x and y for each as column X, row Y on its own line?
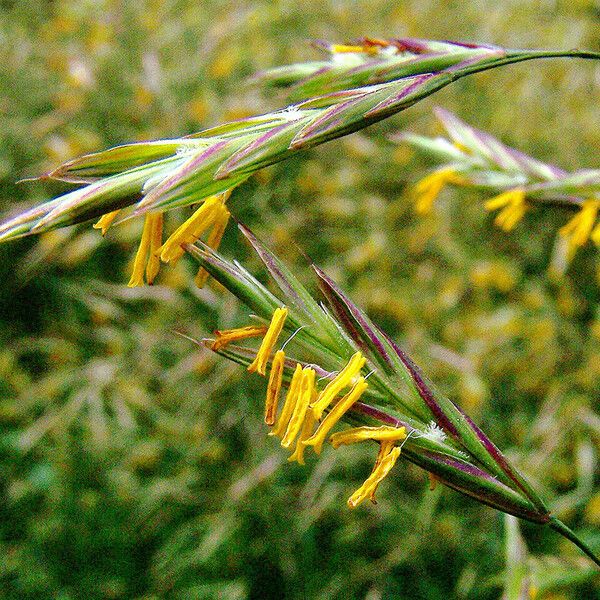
column 307, row 429
column 213, row 241
column 307, row 386
column 533, row 592
column 289, row 404
column 139, row 263
column 513, row 208
column 428, row 189
column 385, row 433
column 105, row 221
column 343, row 379
column 462, row 148
column 274, row 387
column 156, row 229
column 226, row 336
column 380, row 471
column 581, row 227
column 384, row 450
column 343, row 48
column 335, row 414
column 189, row 231
column 259, row 364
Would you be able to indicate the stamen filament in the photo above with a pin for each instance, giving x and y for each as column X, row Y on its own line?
column 259, row 364
column 338, row 383
column 304, row 397
column 274, row 387
column 380, row 471
column 289, row 404
column 335, row 414
column 105, row 221
column 226, row 336
column 384, row 433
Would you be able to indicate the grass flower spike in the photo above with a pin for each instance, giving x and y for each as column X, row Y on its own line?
column 329, row 402
column 357, row 84
column 474, row 159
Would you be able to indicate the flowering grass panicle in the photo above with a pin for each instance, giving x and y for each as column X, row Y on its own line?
column 474, row 159
column 351, row 373
column 357, row 85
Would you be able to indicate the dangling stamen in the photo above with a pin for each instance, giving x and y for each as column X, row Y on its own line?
column 385, row 433
column 153, row 265
column 384, row 450
column 307, row 429
column 513, row 208
column 189, row 231
column 259, row 364
column 274, row 387
column 226, row 336
column 297, row 419
column 290, row 402
column 137, row 275
column 338, row 383
column 380, row 471
column 579, row 229
column 213, row 241
column 336, row 413
column 428, row 189
column 105, row 221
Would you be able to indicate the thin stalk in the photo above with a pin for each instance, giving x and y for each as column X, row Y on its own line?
column 527, row 55
column 568, row 533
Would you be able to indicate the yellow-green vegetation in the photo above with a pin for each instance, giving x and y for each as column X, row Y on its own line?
column 134, row 465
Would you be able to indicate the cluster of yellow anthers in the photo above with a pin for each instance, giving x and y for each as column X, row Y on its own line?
column 301, row 417
column 512, row 203
column 583, row 226
column 512, row 206
column 152, row 251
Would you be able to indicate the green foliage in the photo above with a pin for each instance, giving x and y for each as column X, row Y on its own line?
column 133, row 465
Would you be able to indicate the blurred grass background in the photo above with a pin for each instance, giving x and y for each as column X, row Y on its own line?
column 134, row 465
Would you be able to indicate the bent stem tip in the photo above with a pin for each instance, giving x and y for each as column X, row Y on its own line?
column 566, row 532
